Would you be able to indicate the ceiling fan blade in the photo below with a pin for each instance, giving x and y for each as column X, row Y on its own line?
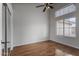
column 50, row 3
column 51, row 7
column 40, row 6
column 46, row 4
column 44, row 9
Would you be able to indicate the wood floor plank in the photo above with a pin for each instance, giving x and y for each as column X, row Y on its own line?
column 46, row 48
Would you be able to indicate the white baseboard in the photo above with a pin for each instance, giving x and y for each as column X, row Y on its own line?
column 29, row 43
column 66, row 44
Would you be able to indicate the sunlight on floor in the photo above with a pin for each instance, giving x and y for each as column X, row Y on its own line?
column 61, row 53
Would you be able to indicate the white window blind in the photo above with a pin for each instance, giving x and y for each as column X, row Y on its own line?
column 65, row 10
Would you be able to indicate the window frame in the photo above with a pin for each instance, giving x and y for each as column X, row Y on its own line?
column 66, row 16
column 65, row 27
column 59, row 10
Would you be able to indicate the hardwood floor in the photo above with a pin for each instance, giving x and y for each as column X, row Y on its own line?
column 46, row 48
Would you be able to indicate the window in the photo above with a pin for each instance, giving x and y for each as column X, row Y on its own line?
column 66, row 26
column 69, row 27
column 60, row 27
column 66, row 10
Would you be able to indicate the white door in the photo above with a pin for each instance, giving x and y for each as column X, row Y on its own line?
column 0, row 28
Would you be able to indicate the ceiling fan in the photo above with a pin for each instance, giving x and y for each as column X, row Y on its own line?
column 46, row 6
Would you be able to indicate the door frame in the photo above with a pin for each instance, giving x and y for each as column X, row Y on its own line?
column 9, row 5
column 0, row 28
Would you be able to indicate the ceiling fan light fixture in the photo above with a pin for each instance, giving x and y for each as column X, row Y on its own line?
column 48, row 7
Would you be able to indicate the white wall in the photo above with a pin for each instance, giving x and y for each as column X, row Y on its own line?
column 30, row 24
column 0, row 27
column 74, row 42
